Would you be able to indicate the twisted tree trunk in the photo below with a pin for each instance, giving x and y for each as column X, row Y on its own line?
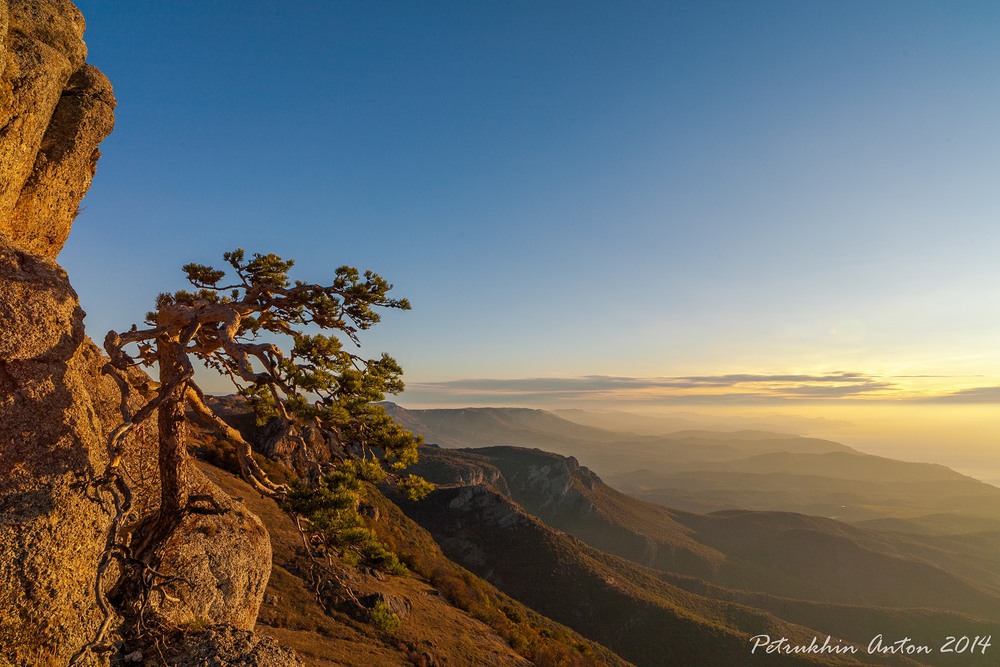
column 139, row 574
column 172, row 425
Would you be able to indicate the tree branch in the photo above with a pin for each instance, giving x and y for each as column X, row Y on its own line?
column 252, row 472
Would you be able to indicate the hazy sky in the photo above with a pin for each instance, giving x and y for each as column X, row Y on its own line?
column 730, row 203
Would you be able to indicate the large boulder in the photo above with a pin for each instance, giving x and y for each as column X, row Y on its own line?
column 221, row 561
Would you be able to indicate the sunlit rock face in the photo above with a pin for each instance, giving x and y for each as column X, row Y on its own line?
column 56, row 410
column 221, row 563
column 57, row 406
column 54, row 111
column 53, row 415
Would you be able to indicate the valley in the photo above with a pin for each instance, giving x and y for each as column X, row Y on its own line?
column 910, row 563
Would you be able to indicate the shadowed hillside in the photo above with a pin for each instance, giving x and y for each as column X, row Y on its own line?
column 786, row 554
column 448, row 615
column 607, row 598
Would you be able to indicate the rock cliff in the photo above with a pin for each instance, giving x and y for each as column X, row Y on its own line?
column 54, row 405
column 57, row 407
column 54, row 111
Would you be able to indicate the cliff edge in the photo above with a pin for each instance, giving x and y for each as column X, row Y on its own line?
column 57, row 406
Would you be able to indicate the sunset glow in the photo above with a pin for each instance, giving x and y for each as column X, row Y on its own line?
column 767, row 207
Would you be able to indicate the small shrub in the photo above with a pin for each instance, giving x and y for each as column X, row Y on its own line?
column 511, row 613
column 382, row 618
column 378, row 555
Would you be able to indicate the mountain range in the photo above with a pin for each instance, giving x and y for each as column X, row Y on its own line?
column 705, row 471
column 925, row 576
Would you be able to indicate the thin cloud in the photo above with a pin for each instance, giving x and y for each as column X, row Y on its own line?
column 729, row 388
column 972, row 395
column 742, row 378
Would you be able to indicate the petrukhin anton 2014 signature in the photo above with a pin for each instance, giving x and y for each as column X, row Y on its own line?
column 878, row 645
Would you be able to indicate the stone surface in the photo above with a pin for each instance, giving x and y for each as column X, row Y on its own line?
column 398, row 605
column 54, row 111
column 55, row 23
column 51, row 443
column 218, row 646
column 56, row 409
column 222, row 560
column 272, row 440
column 66, row 162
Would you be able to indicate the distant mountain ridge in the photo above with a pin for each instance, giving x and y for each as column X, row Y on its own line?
column 706, row 471
column 463, row 427
column 526, row 427
column 782, row 553
column 655, row 585
column 617, row 603
column 810, row 572
column 665, row 424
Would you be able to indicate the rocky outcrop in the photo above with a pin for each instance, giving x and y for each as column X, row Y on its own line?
column 221, row 562
column 535, row 478
column 54, row 405
column 57, row 406
column 304, row 454
column 446, row 467
column 218, row 646
column 56, row 409
column 54, row 111
column 571, row 497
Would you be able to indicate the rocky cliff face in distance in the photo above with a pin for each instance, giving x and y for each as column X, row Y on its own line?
column 57, row 407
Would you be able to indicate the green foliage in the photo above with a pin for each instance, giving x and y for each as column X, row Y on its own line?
column 383, row 618
column 414, row 488
column 200, row 275
column 331, row 506
column 377, row 554
column 366, row 470
column 262, row 401
column 285, row 343
column 311, row 374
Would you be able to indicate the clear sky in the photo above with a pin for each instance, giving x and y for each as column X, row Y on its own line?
column 790, row 205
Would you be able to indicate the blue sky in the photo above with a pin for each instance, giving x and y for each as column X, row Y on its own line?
column 570, row 190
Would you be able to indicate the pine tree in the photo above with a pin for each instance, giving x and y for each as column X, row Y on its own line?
column 253, row 329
